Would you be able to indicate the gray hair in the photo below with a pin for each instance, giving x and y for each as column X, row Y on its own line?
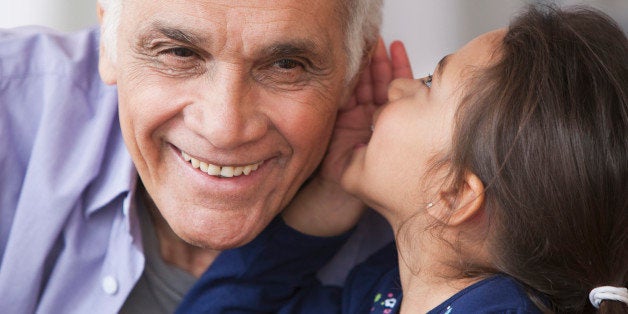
column 364, row 19
column 361, row 28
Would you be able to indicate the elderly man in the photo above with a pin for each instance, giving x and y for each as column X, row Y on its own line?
column 117, row 196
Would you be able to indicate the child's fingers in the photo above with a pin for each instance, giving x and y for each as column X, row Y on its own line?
column 401, row 67
column 381, row 73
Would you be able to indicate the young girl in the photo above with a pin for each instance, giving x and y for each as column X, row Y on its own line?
column 504, row 176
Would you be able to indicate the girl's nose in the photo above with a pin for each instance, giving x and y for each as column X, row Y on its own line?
column 402, row 87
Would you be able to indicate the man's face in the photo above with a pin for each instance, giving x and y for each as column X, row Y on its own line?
column 209, row 89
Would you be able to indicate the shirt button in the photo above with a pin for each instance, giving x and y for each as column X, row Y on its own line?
column 110, row 285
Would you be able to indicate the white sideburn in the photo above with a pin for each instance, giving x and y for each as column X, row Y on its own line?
column 220, row 171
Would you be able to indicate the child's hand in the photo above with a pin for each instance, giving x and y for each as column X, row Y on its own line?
column 322, row 208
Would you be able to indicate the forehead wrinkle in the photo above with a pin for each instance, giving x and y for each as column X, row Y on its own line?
column 291, row 25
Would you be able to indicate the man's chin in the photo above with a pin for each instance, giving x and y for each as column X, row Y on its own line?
column 221, row 236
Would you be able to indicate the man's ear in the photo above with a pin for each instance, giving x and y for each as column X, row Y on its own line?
column 365, row 63
column 454, row 208
column 106, row 67
column 100, row 12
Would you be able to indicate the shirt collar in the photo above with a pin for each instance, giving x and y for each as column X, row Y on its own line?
column 117, row 175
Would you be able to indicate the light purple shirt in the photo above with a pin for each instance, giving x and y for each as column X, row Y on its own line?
column 67, row 244
column 70, row 240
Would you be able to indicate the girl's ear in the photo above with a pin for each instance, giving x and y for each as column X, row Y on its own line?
column 456, row 207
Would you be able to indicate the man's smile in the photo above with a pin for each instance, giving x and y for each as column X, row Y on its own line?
column 220, row 171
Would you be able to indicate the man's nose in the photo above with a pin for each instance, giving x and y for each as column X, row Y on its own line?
column 227, row 113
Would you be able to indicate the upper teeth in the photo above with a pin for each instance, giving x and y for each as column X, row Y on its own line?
column 222, row 171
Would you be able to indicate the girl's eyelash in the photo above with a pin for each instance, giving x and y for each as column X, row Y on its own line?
column 428, row 81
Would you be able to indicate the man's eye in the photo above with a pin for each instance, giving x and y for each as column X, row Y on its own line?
column 178, row 60
column 180, row 52
column 285, row 73
column 288, row 64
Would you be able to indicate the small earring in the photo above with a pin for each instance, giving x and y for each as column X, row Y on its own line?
column 372, row 127
column 429, row 205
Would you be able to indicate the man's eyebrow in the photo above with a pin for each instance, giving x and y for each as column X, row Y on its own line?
column 290, row 48
column 440, row 67
column 172, row 32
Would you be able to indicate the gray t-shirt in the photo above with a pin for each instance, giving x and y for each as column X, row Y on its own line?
column 161, row 287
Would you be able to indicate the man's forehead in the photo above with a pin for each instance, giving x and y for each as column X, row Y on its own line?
column 233, row 25
column 219, row 16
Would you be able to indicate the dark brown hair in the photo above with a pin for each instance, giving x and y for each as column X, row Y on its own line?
column 546, row 130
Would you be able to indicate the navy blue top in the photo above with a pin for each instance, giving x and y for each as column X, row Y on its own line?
column 497, row 294
column 264, row 275
column 276, row 274
column 375, row 287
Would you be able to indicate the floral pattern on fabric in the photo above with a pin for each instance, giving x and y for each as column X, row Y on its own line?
column 385, row 304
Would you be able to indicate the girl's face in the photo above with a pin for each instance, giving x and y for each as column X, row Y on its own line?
column 389, row 173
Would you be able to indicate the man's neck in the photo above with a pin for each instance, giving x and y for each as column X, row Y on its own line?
column 174, row 251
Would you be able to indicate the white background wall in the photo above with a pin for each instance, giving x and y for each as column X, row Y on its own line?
column 429, row 28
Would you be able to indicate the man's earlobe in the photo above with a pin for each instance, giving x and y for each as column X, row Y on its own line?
column 454, row 208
